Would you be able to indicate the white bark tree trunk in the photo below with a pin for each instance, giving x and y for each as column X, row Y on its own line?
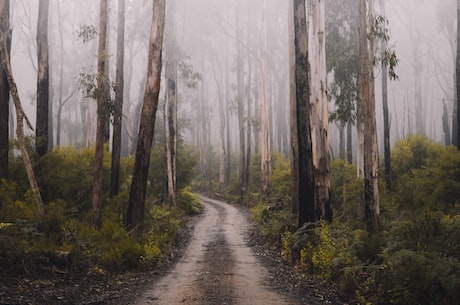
column 319, row 107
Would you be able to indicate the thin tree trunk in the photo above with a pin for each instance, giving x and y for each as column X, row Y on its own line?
column 222, row 152
column 42, row 79
column 265, row 113
column 20, row 117
column 371, row 191
column 61, row 76
column 240, row 108
column 227, row 118
column 350, row 142
column 445, row 124
column 102, row 113
column 457, row 80
column 4, row 92
column 170, row 109
column 135, row 216
column 118, row 106
column 306, row 181
column 341, row 141
column 386, row 116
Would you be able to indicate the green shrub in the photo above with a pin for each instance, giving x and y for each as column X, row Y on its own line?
column 189, row 202
column 111, row 247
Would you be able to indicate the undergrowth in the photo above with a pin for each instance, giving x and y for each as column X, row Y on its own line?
column 67, row 241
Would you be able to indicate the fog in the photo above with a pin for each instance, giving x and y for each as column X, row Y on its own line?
column 209, row 32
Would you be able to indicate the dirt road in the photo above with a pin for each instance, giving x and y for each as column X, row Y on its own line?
column 218, row 267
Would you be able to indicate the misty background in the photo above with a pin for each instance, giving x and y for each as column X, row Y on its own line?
column 421, row 31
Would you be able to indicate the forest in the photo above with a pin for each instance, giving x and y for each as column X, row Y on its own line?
column 330, row 125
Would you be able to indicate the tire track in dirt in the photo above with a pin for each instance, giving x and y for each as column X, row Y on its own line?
column 218, row 267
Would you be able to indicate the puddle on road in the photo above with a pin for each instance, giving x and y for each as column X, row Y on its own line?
column 218, row 268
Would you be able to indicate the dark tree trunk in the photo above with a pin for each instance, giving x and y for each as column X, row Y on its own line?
column 386, row 116
column 118, row 106
column 102, row 113
column 445, row 123
column 293, row 117
column 306, row 181
column 457, row 79
column 341, row 141
column 386, row 127
column 350, row 142
column 135, row 217
column 42, row 79
column 4, row 92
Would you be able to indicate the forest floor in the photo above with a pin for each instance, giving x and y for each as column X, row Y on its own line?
column 216, row 261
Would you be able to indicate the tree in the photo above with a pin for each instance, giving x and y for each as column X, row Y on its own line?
column 102, row 113
column 222, row 124
column 293, row 115
column 135, row 215
column 20, row 118
column 240, row 106
column 386, row 116
column 319, row 110
column 4, row 91
column 118, row 104
column 42, row 79
column 342, row 62
column 457, row 73
column 170, row 109
column 265, row 119
column 366, row 101
column 305, row 175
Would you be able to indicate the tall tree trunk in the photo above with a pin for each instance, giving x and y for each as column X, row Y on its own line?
column 118, row 105
column 265, row 113
column 319, row 109
column 386, row 115
column 42, row 79
column 293, row 116
column 20, row 117
column 306, row 181
column 222, row 151
column 61, row 76
column 457, row 80
column 227, row 118
column 366, row 99
column 102, row 113
column 5, row 30
column 170, row 108
column 249, row 119
column 135, row 217
column 386, row 127
column 265, row 141
column 240, row 107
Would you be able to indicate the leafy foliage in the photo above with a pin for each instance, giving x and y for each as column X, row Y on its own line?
column 414, row 259
column 65, row 178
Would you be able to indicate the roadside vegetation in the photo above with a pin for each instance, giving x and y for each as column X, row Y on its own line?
column 67, row 242
column 413, row 259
